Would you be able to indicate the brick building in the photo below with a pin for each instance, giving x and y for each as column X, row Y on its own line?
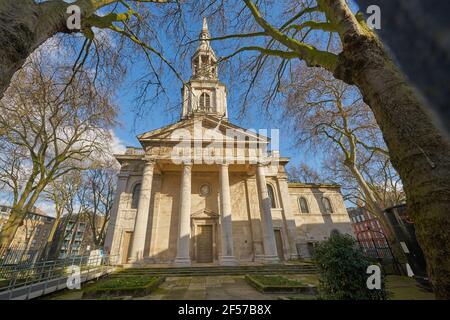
column 368, row 230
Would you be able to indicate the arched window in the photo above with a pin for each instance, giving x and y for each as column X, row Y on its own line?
column 303, row 205
column 205, row 101
column 271, row 196
column 135, row 196
column 327, row 205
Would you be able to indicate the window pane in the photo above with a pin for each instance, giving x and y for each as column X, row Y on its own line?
column 303, row 205
column 135, row 196
column 271, row 195
column 327, row 205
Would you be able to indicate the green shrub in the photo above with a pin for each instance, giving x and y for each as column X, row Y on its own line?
column 342, row 268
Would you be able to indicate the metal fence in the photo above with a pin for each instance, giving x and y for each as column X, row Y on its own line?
column 377, row 248
column 20, row 254
column 24, row 281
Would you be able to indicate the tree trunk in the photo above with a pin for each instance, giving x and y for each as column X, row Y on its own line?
column 371, row 200
column 24, row 26
column 419, row 151
column 50, row 238
column 374, row 208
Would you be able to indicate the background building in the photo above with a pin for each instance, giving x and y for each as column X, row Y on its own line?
column 30, row 237
column 368, row 230
column 74, row 235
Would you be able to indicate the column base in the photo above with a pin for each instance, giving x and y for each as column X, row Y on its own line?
column 228, row 261
column 294, row 256
column 182, row 262
column 135, row 260
column 271, row 260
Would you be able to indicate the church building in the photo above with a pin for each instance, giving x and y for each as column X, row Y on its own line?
column 203, row 203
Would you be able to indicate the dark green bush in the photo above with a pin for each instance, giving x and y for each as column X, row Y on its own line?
column 342, row 268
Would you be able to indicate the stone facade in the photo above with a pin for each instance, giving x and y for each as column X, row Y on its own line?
column 176, row 209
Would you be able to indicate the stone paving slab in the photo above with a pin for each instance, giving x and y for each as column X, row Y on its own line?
column 209, row 288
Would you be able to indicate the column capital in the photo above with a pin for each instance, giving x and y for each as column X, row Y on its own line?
column 261, row 165
column 187, row 166
column 123, row 174
column 149, row 160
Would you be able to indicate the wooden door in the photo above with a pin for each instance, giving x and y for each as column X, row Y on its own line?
column 279, row 243
column 205, row 244
column 125, row 246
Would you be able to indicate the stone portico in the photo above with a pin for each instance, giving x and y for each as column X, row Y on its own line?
column 213, row 199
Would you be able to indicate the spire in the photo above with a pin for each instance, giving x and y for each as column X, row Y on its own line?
column 204, row 36
column 204, row 59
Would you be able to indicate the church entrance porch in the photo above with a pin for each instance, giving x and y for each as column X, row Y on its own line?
column 204, row 237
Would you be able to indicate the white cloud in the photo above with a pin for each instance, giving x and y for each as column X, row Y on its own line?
column 117, row 146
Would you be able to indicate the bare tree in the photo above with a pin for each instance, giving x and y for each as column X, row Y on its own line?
column 303, row 174
column 330, row 115
column 61, row 193
column 100, row 185
column 51, row 130
column 27, row 24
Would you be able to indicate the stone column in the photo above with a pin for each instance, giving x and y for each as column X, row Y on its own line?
column 227, row 254
column 289, row 220
column 270, row 247
column 111, row 234
column 141, row 221
column 183, row 257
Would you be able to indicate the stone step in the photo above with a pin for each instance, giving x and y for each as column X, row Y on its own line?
column 220, row 270
column 214, row 269
column 265, row 267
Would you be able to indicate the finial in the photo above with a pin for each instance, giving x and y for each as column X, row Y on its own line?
column 205, row 25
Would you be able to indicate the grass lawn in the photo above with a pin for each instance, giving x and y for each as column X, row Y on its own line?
column 404, row 288
column 123, row 285
column 125, row 282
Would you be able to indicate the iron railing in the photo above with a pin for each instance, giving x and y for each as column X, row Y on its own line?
column 39, row 276
column 20, row 254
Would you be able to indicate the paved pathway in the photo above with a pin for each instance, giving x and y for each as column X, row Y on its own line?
column 208, row 288
column 215, row 287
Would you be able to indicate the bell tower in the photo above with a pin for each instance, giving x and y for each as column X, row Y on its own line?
column 204, row 94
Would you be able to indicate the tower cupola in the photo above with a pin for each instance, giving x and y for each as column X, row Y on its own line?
column 204, row 93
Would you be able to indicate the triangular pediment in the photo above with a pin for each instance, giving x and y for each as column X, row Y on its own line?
column 205, row 214
column 206, row 127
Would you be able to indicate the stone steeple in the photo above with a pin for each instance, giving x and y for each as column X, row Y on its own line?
column 204, row 94
column 204, row 61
